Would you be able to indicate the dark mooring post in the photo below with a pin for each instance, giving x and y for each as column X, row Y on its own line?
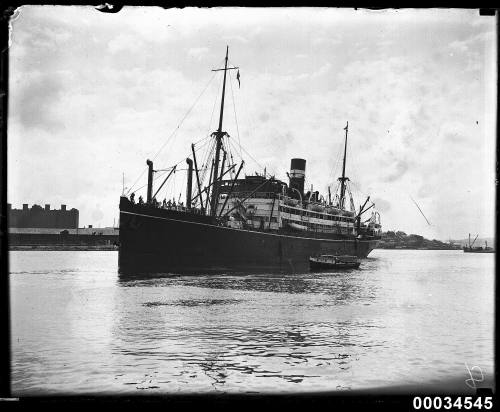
column 189, row 188
column 150, row 180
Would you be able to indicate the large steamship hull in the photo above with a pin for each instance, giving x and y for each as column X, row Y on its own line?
column 162, row 241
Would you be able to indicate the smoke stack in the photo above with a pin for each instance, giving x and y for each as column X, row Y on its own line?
column 298, row 174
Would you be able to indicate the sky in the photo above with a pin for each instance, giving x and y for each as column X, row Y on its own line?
column 93, row 95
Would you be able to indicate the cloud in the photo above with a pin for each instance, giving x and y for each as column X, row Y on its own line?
column 425, row 191
column 460, row 46
column 396, row 171
column 125, row 42
column 97, row 94
column 198, row 52
column 328, row 41
column 322, row 70
column 264, row 117
column 34, row 103
column 237, row 39
column 381, row 205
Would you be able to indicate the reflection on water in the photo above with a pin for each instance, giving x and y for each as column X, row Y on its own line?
column 199, row 302
column 79, row 327
column 348, row 285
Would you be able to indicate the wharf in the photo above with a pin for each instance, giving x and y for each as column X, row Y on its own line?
column 67, row 239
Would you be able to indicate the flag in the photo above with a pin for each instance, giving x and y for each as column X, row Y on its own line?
column 238, row 78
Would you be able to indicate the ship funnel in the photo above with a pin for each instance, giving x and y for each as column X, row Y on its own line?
column 298, row 174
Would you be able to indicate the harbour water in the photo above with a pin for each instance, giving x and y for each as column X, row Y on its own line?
column 406, row 318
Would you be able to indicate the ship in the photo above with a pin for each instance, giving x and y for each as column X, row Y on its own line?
column 233, row 224
column 477, row 249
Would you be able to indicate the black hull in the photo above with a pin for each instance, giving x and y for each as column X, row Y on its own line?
column 163, row 241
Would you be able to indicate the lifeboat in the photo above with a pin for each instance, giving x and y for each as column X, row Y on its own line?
column 317, row 207
column 296, row 226
column 291, row 202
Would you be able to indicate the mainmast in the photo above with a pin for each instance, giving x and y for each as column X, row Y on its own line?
column 343, row 178
column 219, row 134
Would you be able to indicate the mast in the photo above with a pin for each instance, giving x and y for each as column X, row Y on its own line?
column 343, row 178
column 189, row 188
column 218, row 136
column 197, row 178
column 150, row 181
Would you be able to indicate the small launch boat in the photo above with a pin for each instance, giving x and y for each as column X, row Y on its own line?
column 326, row 262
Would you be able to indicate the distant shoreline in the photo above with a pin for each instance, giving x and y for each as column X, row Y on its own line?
column 419, row 248
column 115, row 248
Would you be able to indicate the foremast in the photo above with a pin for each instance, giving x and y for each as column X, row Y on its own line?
column 219, row 135
column 343, row 179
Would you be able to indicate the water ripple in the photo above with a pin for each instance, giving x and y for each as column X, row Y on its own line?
column 79, row 327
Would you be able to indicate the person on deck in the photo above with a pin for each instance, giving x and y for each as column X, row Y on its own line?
column 141, row 202
column 132, row 197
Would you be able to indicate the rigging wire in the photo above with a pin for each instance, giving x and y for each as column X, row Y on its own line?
column 207, row 161
column 162, row 172
column 213, row 108
column 173, row 191
column 155, row 178
column 189, row 153
column 337, row 162
column 247, row 153
column 240, row 146
column 207, row 156
column 227, row 149
column 186, row 115
column 230, row 157
column 258, row 164
column 234, row 110
column 174, row 132
column 182, row 185
column 359, row 189
column 208, row 143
